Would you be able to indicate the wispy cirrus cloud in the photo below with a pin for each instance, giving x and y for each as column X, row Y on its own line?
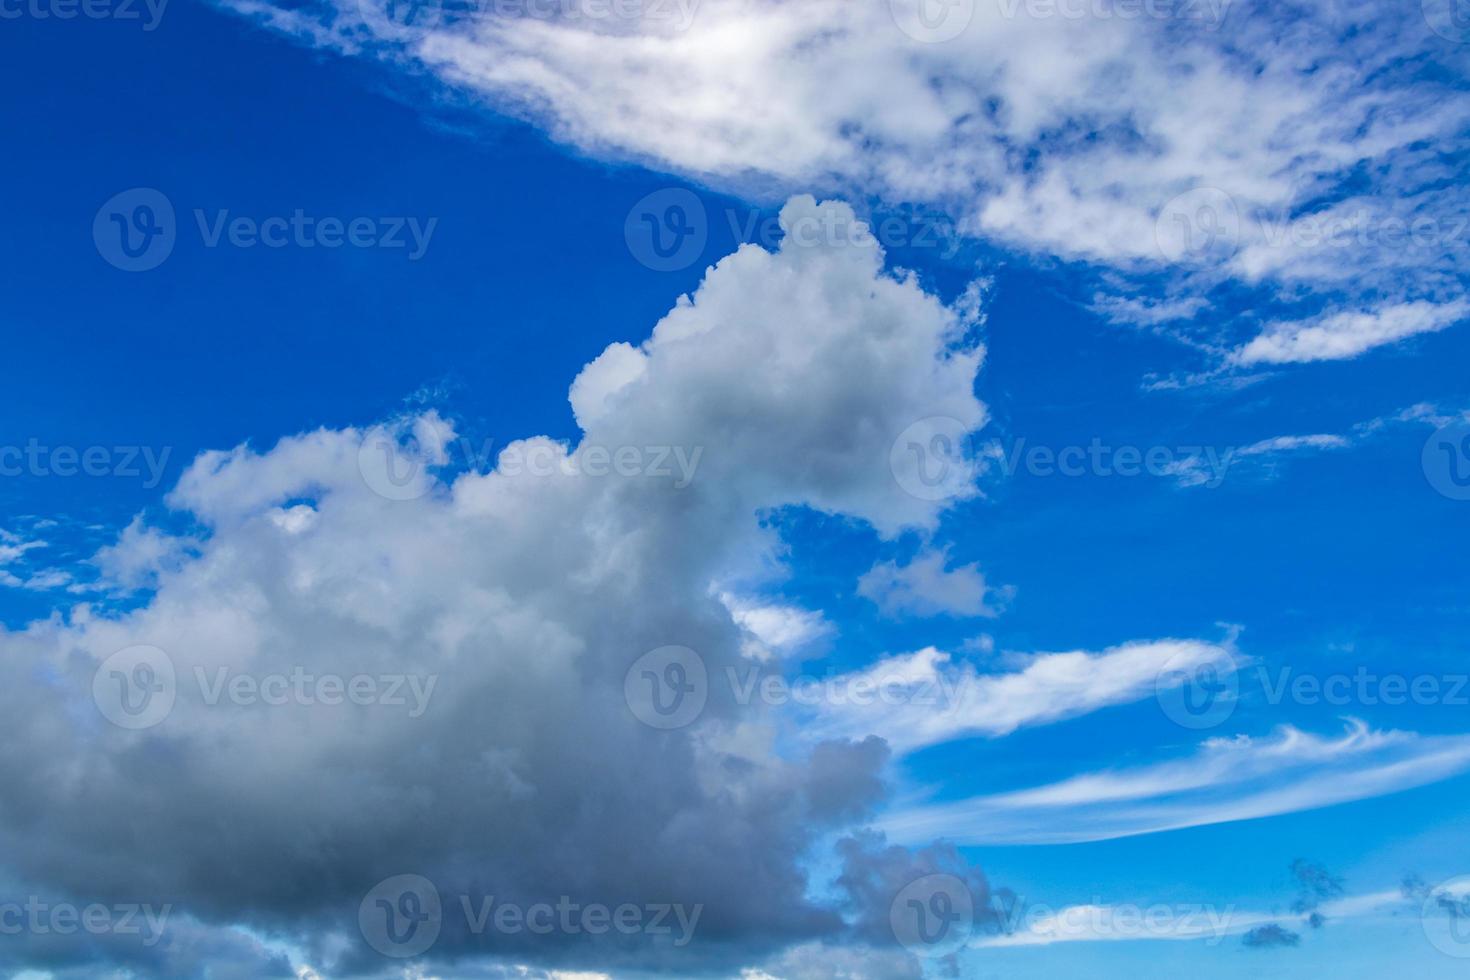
column 1261, row 457
column 1302, row 151
column 926, row 697
column 1225, row 780
column 1209, row 922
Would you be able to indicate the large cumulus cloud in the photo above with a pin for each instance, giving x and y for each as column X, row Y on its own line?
column 525, row 593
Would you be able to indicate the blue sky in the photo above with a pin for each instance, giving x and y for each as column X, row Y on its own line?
column 1325, row 547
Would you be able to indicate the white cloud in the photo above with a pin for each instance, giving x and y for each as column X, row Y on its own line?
column 139, row 555
column 530, row 595
column 924, row 698
column 776, row 629
column 13, row 547
column 1052, row 130
column 1207, row 921
column 1261, row 457
column 1227, row 779
column 1345, row 333
column 925, row 587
